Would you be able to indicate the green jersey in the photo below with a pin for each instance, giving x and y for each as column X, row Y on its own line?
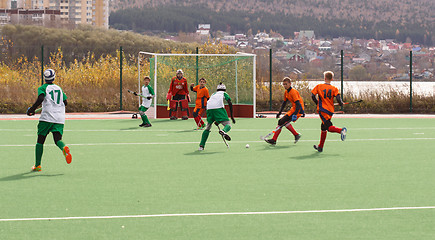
column 217, row 100
column 53, row 108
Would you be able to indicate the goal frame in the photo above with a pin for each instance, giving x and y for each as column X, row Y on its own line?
column 238, row 54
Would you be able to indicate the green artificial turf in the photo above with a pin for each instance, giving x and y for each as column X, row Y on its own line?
column 119, row 169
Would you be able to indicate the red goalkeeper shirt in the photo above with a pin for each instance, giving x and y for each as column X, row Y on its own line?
column 178, row 86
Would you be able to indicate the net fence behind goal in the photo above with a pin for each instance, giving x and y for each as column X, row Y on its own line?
column 236, row 71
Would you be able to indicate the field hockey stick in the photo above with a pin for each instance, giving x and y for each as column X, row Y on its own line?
column 273, row 132
column 168, row 108
column 349, row 102
column 136, row 94
column 225, row 141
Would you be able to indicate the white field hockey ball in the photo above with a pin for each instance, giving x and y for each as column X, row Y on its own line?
column 247, row 146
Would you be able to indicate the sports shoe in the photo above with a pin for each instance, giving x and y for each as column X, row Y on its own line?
column 67, row 154
column 201, row 148
column 36, row 168
column 184, row 117
column 147, row 125
column 173, row 118
column 226, row 136
column 141, row 125
column 297, row 137
column 343, row 133
column 270, row 141
column 319, row 149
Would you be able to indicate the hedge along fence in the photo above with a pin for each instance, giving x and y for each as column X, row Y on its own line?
column 389, row 100
column 91, row 84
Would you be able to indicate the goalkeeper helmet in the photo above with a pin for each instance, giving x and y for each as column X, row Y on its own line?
column 179, row 71
column 49, row 75
column 221, row 87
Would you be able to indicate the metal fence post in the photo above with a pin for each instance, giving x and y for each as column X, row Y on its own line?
column 197, row 59
column 42, row 64
column 342, row 77
column 410, row 81
column 120, row 78
column 270, row 79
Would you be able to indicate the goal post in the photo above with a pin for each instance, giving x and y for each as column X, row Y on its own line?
column 236, row 71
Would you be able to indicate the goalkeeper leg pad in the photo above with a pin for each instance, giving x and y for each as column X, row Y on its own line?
column 185, row 108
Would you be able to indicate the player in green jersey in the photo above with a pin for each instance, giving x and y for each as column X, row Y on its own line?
column 216, row 113
column 147, row 98
column 52, row 117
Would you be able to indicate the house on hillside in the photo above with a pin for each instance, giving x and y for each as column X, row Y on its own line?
column 296, row 58
column 304, row 35
column 229, row 40
column 325, row 45
column 309, row 54
column 203, row 29
column 277, row 37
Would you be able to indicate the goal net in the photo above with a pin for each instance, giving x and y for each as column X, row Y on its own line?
column 236, row 71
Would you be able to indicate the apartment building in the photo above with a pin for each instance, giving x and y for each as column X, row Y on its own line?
column 93, row 12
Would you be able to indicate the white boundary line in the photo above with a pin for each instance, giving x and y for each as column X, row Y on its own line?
column 218, row 142
column 217, row 214
column 232, row 130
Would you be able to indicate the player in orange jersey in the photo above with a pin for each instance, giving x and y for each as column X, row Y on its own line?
column 325, row 93
column 202, row 95
column 297, row 110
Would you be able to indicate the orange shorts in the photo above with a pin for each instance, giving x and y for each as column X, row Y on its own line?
column 325, row 117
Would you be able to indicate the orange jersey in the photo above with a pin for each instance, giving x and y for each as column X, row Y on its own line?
column 202, row 95
column 326, row 93
column 293, row 96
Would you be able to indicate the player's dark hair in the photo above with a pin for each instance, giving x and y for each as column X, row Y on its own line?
column 203, row 79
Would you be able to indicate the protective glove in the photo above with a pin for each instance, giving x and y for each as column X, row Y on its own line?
column 149, row 98
column 30, row 112
column 135, row 93
column 278, row 115
column 294, row 118
column 168, row 96
column 234, row 120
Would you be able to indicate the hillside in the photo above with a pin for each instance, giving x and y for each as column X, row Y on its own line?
column 405, row 11
column 404, row 20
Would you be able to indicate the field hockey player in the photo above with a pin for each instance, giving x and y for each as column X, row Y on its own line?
column 323, row 95
column 52, row 117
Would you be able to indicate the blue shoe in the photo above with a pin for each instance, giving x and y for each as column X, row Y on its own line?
column 343, row 133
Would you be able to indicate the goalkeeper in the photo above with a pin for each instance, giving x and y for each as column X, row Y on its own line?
column 147, row 98
column 297, row 110
column 216, row 113
column 52, row 117
column 178, row 93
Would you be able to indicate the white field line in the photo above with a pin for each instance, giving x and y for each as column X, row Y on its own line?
column 217, row 142
column 232, row 130
column 217, row 214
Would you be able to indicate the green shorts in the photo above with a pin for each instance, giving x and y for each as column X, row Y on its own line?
column 44, row 128
column 217, row 115
column 142, row 109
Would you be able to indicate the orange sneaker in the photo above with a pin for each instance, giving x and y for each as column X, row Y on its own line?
column 36, row 168
column 67, row 154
